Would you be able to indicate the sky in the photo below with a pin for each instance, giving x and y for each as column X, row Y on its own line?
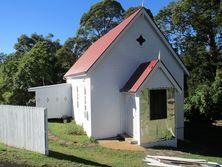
column 59, row 17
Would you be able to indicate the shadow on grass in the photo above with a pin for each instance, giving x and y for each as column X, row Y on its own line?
column 201, row 139
column 72, row 158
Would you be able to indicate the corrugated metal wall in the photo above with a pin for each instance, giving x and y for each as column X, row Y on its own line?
column 24, row 127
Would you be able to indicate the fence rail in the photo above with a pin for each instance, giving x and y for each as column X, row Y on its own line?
column 24, row 127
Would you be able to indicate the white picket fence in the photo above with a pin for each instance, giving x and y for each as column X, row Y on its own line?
column 24, row 127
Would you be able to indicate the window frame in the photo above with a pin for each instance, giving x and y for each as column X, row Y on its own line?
column 85, row 99
column 77, row 97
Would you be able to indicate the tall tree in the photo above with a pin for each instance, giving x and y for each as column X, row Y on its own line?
column 36, row 68
column 65, row 57
column 2, row 57
column 217, row 93
column 131, row 10
column 194, row 29
column 101, row 18
column 33, row 64
column 7, row 71
column 188, row 23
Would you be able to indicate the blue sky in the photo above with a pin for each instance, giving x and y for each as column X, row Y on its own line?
column 59, row 17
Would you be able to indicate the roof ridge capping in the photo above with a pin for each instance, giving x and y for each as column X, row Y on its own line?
column 96, row 50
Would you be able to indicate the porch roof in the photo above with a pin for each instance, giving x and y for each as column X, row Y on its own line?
column 143, row 72
column 139, row 76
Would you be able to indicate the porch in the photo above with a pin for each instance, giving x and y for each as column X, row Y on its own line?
column 150, row 100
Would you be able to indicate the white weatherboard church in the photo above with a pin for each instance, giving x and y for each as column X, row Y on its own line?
column 130, row 81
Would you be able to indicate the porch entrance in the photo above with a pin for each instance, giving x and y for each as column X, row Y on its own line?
column 131, row 116
column 157, row 115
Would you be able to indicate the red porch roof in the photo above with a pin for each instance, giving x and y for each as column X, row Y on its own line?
column 96, row 50
column 139, row 76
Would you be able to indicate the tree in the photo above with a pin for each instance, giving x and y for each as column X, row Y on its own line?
column 2, row 57
column 26, row 43
column 217, row 93
column 188, row 23
column 36, row 68
column 33, row 64
column 7, row 71
column 101, row 18
column 65, row 57
column 200, row 107
column 194, row 29
column 131, row 10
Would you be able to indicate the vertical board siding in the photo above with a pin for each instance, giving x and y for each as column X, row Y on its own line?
column 56, row 98
column 24, row 127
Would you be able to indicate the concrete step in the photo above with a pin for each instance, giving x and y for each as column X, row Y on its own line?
column 127, row 138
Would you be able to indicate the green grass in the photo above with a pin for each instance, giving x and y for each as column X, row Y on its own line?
column 85, row 153
column 62, row 130
column 81, row 153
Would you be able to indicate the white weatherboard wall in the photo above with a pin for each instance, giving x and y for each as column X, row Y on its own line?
column 24, row 127
column 81, row 96
column 56, row 98
column 115, row 69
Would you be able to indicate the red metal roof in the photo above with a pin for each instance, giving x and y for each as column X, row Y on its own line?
column 139, row 76
column 95, row 51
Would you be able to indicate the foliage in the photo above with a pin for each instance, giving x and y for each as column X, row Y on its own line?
column 66, row 119
column 2, row 58
column 63, row 130
column 92, row 140
column 101, row 18
column 38, row 61
column 65, row 57
column 217, row 93
column 131, row 10
column 74, row 129
column 89, row 154
column 200, row 106
column 7, row 71
column 194, row 29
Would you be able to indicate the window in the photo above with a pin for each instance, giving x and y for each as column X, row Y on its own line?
column 140, row 40
column 158, row 104
column 77, row 97
column 85, row 105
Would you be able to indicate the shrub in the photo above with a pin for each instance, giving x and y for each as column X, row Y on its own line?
column 199, row 106
column 66, row 119
column 92, row 140
column 74, row 129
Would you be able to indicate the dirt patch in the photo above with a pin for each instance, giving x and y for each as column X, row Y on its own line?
column 60, row 141
column 164, row 151
column 120, row 145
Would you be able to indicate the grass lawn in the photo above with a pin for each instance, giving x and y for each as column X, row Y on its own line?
column 81, row 151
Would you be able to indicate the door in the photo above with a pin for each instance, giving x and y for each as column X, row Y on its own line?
column 130, row 116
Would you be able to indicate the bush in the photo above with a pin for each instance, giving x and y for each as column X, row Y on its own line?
column 92, row 140
column 66, row 119
column 74, row 129
column 204, row 104
column 199, row 107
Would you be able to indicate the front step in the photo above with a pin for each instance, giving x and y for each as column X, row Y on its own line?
column 126, row 137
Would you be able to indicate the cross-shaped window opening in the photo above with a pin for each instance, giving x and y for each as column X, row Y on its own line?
column 140, row 40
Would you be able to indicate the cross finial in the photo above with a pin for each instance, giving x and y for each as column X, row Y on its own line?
column 142, row 3
column 159, row 55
